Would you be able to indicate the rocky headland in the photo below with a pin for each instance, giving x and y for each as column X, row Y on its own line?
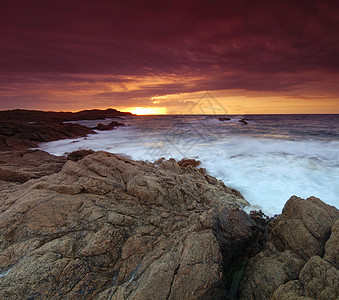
column 95, row 225
column 22, row 129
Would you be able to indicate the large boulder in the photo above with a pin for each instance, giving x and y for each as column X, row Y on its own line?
column 107, row 227
column 305, row 226
column 300, row 259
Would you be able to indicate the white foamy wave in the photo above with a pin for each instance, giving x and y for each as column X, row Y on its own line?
column 266, row 171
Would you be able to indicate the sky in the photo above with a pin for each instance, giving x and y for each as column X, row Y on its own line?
column 202, row 56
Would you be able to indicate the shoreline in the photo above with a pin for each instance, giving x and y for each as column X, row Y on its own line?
column 101, row 225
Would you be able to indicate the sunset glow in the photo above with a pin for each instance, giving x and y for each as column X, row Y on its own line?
column 147, row 110
column 160, row 59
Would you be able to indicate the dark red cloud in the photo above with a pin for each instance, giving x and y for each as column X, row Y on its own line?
column 232, row 44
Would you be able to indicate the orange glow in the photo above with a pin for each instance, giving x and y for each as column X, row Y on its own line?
column 148, row 110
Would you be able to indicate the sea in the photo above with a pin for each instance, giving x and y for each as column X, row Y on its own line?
column 268, row 160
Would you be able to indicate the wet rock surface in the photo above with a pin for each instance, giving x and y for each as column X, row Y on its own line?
column 109, row 126
column 243, row 121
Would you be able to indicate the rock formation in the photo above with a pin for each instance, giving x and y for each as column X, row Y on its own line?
column 101, row 226
column 23, row 129
column 95, row 225
column 109, row 126
column 222, row 119
column 23, row 165
column 16, row 135
column 23, row 115
column 243, row 121
column 300, row 259
column 106, row 226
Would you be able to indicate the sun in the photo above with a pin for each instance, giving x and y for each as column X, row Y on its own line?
column 147, row 110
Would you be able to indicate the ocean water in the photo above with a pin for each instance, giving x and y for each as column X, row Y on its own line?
column 268, row 160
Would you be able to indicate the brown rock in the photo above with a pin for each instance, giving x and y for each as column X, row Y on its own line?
column 106, row 226
column 22, row 129
column 290, row 290
column 332, row 246
column 267, row 271
column 320, row 279
column 188, row 162
column 21, row 166
column 79, row 154
column 305, row 226
column 20, row 135
column 289, row 267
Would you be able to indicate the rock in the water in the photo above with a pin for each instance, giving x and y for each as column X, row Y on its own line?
column 243, row 121
column 290, row 266
column 109, row 227
column 109, row 126
column 222, row 119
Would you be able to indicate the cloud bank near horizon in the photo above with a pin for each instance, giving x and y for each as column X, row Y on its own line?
column 81, row 54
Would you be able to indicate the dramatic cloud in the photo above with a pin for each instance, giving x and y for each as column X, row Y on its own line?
column 124, row 53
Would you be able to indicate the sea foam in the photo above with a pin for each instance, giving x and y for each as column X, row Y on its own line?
column 267, row 171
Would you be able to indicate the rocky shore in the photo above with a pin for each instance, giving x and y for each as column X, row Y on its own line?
column 22, row 129
column 95, row 225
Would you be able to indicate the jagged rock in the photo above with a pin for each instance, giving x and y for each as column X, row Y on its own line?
column 22, row 129
column 320, row 279
column 289, row 266
column 243, row 121
column 109, row 227
column 189, row 162
column 332, row 246
column 290, row 290
column 109, row 126
column 79, row 154
column 305, row 226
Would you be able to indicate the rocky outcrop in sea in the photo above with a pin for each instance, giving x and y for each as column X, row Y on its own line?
column 95, row 225
column 102, row 226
